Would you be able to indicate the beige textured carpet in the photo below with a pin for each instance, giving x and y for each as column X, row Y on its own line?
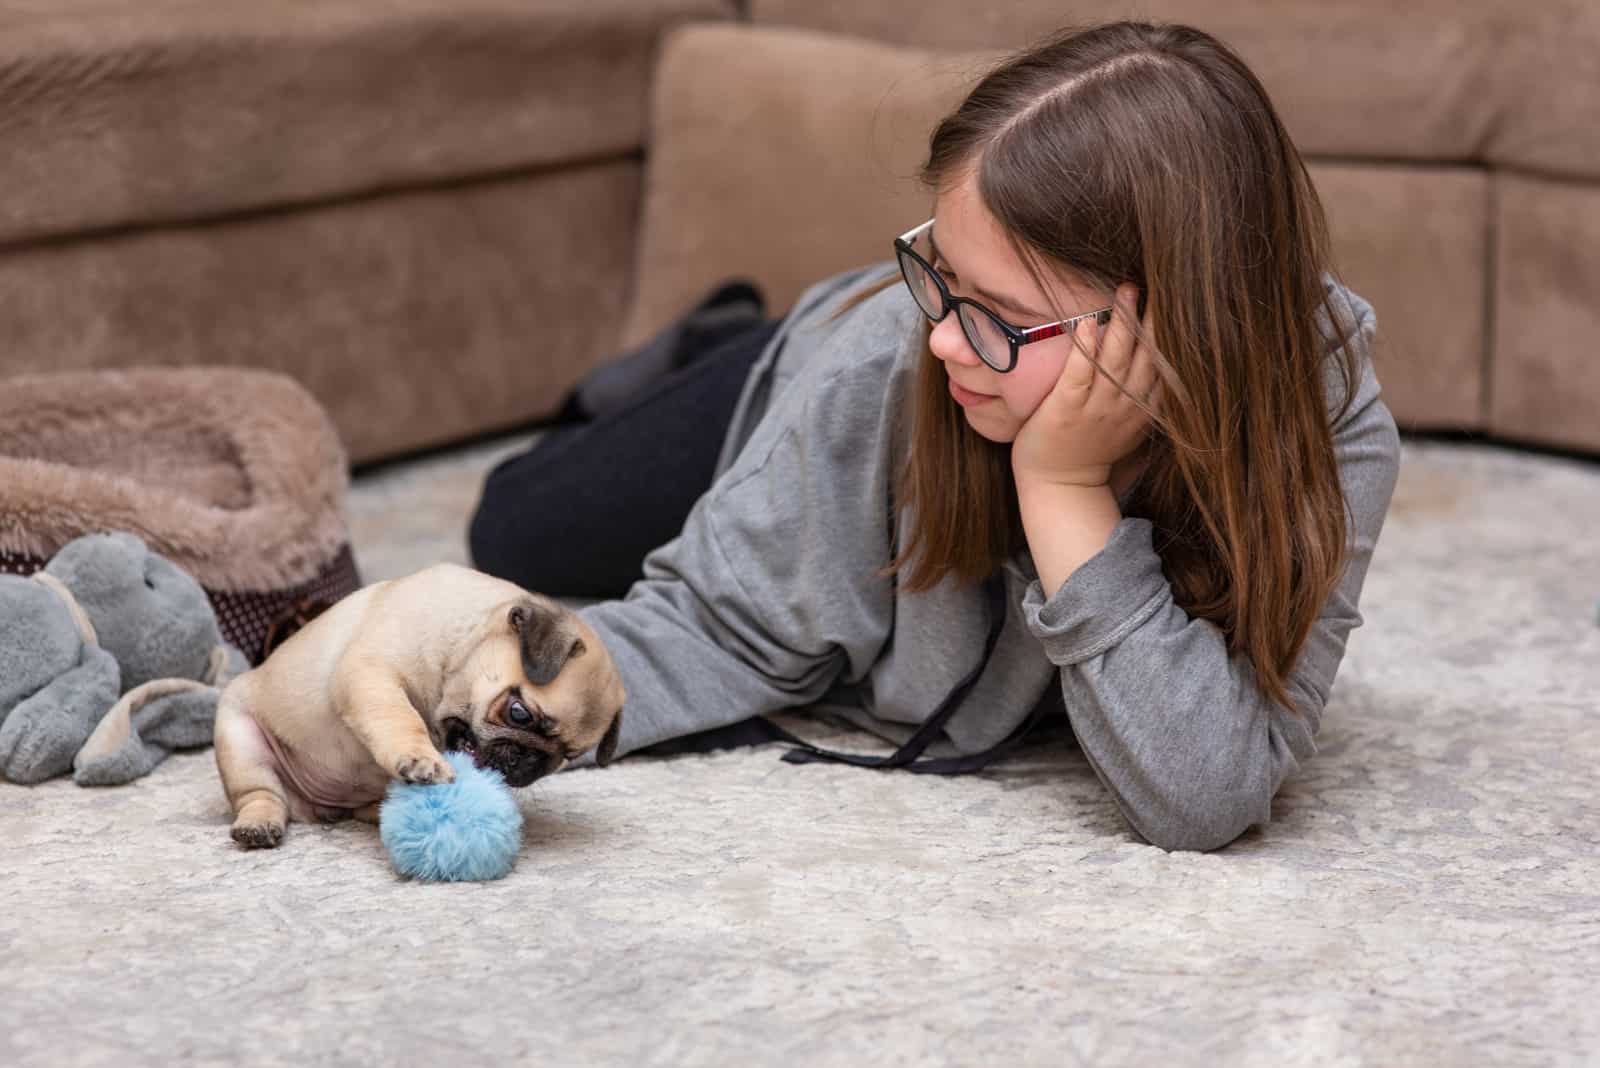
column 1427, row 894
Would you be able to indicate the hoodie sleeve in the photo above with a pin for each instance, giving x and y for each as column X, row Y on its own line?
column 1177, row 729
column 771, row 593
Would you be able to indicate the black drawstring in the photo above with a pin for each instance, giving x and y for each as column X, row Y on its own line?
column 906, row 756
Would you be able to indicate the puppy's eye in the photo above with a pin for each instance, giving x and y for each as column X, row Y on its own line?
column 518, row 713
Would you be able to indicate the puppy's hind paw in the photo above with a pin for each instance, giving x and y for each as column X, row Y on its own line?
column 258, row 835
column 424, row 768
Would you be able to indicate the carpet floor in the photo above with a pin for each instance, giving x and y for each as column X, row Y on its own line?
column 1427, row 893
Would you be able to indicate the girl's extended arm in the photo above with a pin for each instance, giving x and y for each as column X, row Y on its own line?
column 771, row 593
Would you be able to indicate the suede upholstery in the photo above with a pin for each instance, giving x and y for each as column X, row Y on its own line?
column 173, row 110
column 433, row 213
column 414, row 318
column 1546, row 381
column 422, row 210
column 830, row 131
column 1503, row 82
column 1414, row 241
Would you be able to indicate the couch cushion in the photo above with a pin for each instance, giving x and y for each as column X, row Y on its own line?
column 415, row 318
column 117, row 114
column 1415, row 242
column 1546, row 381
column 830, row 133
column 1506, row 82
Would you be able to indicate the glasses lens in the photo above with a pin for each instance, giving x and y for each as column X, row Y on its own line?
column 920, row 281
column 988, row 340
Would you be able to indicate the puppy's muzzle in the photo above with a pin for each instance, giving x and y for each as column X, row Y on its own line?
column 519, row 765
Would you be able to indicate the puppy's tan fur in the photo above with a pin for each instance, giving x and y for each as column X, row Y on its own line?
column 374, row 688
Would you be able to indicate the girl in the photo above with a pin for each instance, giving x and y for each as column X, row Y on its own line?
column 1106, row 443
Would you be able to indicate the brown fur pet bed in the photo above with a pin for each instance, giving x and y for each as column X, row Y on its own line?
column 236, row 476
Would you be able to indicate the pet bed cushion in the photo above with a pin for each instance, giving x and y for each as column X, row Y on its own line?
column 237, row 476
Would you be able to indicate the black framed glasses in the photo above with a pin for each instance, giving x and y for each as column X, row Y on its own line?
column 994, row 340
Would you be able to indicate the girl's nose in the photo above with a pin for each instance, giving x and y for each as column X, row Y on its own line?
column 948, row 343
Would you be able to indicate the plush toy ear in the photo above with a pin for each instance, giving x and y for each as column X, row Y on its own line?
column 143, row 727
column 545, row 641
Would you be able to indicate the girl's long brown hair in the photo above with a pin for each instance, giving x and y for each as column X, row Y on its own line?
column 1151, row 154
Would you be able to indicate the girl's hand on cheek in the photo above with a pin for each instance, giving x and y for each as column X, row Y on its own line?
column 1085, row 424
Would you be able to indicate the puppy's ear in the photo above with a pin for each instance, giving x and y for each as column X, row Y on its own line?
column 545, row 641
column 608, row 745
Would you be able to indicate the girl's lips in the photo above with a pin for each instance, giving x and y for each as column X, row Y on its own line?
column 965, row 397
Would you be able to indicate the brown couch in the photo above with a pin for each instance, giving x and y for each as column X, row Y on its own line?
column 423, row 210
column 431, row 211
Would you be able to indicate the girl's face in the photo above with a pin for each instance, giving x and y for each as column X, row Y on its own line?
column 977, row 262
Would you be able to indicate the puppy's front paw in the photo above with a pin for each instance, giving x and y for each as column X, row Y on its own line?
column 258, row 834
column 424, row 768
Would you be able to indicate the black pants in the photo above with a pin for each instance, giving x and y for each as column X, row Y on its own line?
column 576, row 514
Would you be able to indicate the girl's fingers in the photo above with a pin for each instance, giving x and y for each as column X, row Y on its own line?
column 1078, row 372
column 1117, row 344
column 1152, row 400
column 1141, row 380
column 1142, row 376
column 1139, row 376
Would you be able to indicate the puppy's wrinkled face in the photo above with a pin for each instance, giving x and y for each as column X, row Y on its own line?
column 537, row 690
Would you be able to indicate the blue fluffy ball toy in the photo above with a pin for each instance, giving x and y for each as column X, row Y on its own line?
column 469, row 829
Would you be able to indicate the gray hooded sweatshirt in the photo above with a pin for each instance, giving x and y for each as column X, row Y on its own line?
column 770, row 598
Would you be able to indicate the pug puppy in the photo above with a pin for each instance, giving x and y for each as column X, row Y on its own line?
column 374, row 688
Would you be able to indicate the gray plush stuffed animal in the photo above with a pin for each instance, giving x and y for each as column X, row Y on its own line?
column 109, row 658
